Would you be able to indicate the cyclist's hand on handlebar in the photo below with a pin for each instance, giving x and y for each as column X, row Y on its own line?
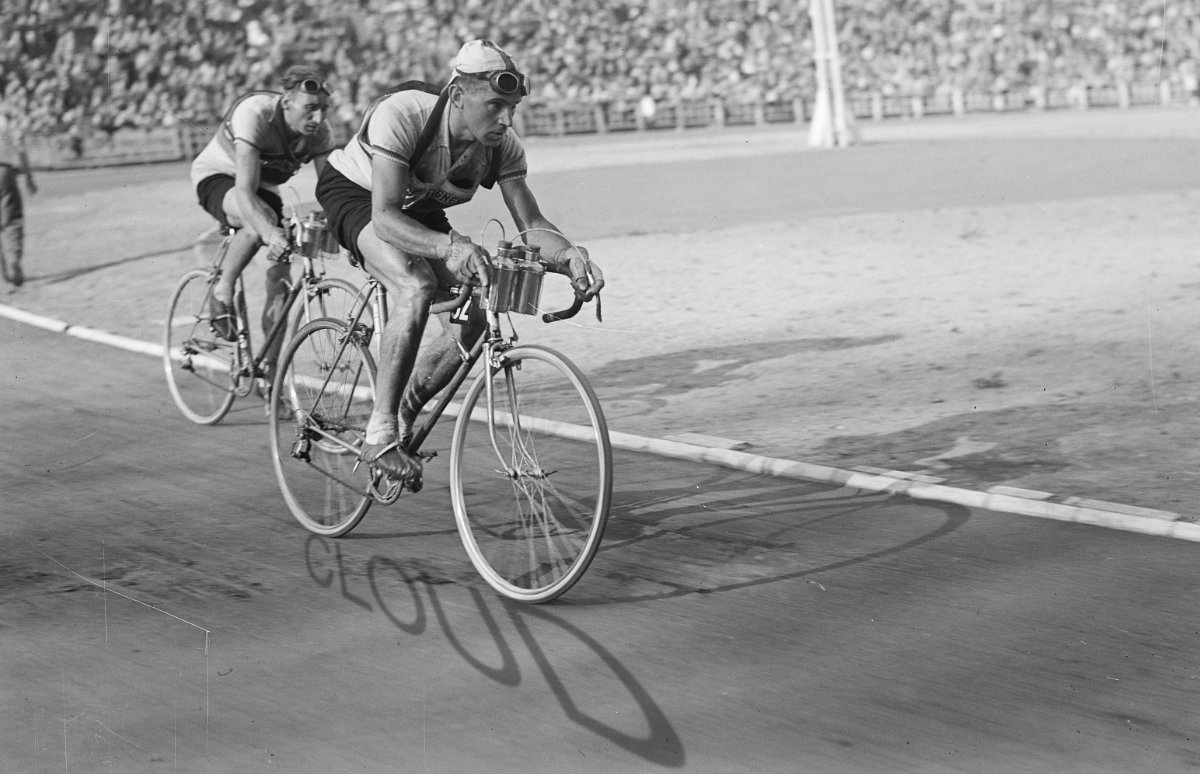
column 467, row 261
column 277, row 244
column 586, row 277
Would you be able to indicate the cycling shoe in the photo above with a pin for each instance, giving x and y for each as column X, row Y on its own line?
column 390, row 459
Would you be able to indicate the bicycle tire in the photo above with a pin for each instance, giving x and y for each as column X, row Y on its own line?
column 531, row 531
column 321, row 399
column 197, row 362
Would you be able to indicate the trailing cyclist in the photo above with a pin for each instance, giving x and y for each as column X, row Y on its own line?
column 262, row 142
column 385, row 195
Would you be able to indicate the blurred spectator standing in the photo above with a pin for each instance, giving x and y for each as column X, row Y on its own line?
column 14, row 164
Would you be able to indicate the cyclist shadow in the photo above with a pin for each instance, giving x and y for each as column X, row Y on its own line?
column 729, row 530
column 713, row 532
column 434, row 592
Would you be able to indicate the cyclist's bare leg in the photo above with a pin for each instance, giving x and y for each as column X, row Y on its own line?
column 440, row 359
column 278, row 275
column 242, row 248
column 411, row 285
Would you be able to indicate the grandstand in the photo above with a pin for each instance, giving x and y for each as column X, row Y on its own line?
column 83, row 73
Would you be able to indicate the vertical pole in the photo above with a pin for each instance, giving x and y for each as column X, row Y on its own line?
column 841, row 122
column 830, row 122
column 820, row 130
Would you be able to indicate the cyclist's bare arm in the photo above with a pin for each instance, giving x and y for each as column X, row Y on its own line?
column 585, row 274
column 252, row 210
column 389, row 182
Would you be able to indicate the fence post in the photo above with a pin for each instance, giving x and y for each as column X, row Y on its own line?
column 877, row 106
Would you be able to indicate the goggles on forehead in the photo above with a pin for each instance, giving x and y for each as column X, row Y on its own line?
column 312, row 86
column 505, row 82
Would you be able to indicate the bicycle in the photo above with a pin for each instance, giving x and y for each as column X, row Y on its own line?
column 530, row 456
column 205, row 372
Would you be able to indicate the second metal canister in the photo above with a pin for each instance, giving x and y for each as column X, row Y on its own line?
column 528, row 293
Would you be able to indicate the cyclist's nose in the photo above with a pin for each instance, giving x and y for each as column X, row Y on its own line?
column 506, row 117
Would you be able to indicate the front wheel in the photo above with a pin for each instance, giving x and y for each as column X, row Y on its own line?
column 197, row 361
column 531, row 474
column 321, row 399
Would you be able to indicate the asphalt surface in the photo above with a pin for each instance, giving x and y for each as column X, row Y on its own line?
column 161, row 611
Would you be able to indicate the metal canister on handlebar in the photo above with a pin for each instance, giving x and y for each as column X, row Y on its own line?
column 313, row 239
column 504, row 277
column 527, row 294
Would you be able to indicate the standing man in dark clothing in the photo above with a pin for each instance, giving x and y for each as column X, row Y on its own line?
column 14, row 162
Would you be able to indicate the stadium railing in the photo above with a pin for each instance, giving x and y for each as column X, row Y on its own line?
column 137, row 146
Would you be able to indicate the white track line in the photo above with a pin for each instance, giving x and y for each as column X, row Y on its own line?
column 1146, row 521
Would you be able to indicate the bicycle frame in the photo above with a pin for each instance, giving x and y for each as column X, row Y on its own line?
column 491, row 340
column 309, row 277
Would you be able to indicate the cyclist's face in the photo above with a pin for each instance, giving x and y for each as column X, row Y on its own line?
column 304, row 112
column 487, row 113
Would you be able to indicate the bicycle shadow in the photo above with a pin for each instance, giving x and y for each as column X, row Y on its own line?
column 409, row 594
column 732, row 530
column 706, row 534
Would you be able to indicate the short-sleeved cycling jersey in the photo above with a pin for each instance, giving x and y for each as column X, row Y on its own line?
column 257, row 118
column 392, row 129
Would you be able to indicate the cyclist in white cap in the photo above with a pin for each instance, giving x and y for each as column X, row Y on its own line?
column 385, row 195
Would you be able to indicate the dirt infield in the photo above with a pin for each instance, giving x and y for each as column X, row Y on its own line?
column 1039, row 340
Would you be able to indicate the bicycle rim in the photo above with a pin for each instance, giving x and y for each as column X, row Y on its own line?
column 531, row 499
column 330, row 297
column 320, row 401
column 196, row 361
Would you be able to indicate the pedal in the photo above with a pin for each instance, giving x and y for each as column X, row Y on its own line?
column 300, row 449
column 384, row 488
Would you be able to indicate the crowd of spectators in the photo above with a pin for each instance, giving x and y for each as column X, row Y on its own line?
column 73, row 67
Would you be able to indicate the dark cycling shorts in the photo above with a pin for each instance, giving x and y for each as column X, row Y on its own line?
column 347, row 208
column 211, row 193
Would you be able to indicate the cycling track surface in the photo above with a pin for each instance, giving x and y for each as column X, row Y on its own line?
column 995, row 311
column 165, row 614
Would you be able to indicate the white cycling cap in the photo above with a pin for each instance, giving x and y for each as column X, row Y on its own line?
column 482, row 56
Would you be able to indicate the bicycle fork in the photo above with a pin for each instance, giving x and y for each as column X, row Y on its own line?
column 513, row 467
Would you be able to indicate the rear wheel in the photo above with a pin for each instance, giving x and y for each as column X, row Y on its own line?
column 197, row 361
column 531, row 477
column 331, row 297
column 320, row 402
